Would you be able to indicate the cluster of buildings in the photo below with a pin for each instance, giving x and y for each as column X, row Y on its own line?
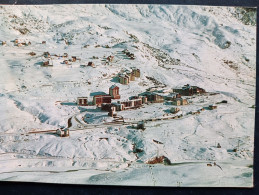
column 128, row 75
column 188, row 90
column 19, row 43
column 104, row 101
column 98, row 100
column 130, row 55
column 65, row 58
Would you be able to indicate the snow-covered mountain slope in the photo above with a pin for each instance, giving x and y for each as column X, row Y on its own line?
column 211, row 47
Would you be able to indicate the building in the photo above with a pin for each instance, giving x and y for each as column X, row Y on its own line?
column 136, row 72
column 176, row 102
column 179, row 102
column 3, row 42
column 155, row 98
column 212, row 107
column 188, row 90
column 144, row 99
column 63, row 132
column 73, row 58
column 82, row 101
column 90, row 64
column 65, row 55
column 124, row 79
column 112, row 111
column 46, row 63
column 172, row 96
column 114, row 92
column 141, row 125
column 46, row 54
column 174, row 110
column 65, row 62
column 43, row 42
column 184, row 101
column 99, row 99
column 131, row 76
column 106, row 106
column 110, row 58
column 137, row 102
column 118, row 106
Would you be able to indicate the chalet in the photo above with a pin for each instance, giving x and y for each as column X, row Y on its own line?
column 43, row 42
column 110, row 58
column 73, row 58
column 16, row 41
column 63, row 132
column 82, row 101
column 114, row 92
column 174, row 110
column 99, row 99
column 91, row 64
column 124, row 79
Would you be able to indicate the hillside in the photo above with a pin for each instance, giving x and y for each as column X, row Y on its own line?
column 210, row 47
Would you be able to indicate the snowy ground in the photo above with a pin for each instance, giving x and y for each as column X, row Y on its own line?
column 175, row 45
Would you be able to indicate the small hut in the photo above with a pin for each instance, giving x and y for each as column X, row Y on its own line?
column 212, row 107
column 65, row 55
column 73, row 58
column 110, row 58
column 174, row 110
column 43, row 42
column 141, row 125
column 46, row 63
column 91, row 64
column 63, row 132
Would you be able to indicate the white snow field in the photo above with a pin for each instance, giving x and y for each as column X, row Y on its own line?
column 209, row 47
